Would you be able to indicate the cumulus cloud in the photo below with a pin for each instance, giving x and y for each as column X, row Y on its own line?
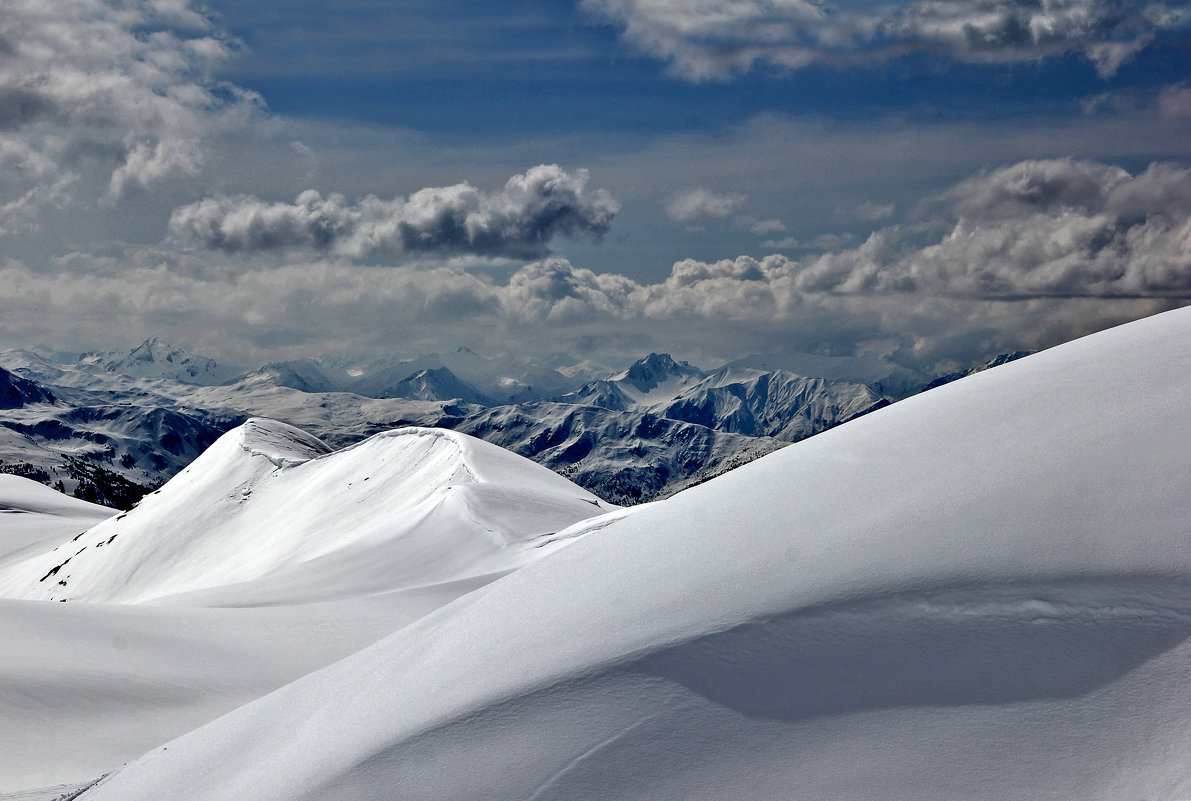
column 1025, row 255
column 706, row 40
column 124, row 89
column 520, row 220
column 1039, row 228
column 703, row 204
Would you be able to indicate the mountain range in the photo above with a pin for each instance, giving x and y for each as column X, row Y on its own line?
column 111, row 426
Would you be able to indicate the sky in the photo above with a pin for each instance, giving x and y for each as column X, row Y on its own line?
column 934, row 181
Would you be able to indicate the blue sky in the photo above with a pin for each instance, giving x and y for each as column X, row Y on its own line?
column 592, row 179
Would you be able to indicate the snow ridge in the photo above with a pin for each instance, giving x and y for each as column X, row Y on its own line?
column 269, row 503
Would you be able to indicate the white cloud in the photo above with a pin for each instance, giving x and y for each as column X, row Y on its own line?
column 1025, row 255
column 121, row 91
column 705, row 40
column 703, row 204
column 520, row 220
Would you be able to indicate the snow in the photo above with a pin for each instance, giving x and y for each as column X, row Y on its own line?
column 982, row 592
column 405, row 508
column 34, row 517
column 268, row 558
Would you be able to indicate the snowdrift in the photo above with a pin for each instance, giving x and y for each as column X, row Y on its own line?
column 983, row 592
column 269, row 515
column 34, row 517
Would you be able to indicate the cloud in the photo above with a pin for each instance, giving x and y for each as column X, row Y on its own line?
column 703, row 204
column 1035, row 229
column 763, row 226
column 780, row 244
column 1021, row 256
column 872, row 212
column 703, row 40
column 520, row 220
column 119, row 91
column 1174, row 102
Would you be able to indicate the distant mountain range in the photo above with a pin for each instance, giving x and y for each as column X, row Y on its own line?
column 111, row 426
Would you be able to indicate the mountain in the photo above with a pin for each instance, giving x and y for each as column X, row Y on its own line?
column 683, row 424
column 305, row 375
column 499, row 380
column 17, row 392
column 887, row 378
column 624, row 457
column 994, row 573
column 996, row 361
column 734, row 399
column 156, row 358
column 107, row 447
column 436, row 383
column 655, row 379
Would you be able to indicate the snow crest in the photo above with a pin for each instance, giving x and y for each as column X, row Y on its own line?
column 272, row 505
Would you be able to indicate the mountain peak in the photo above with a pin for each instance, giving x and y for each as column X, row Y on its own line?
column 655, row 368
column 157, row 358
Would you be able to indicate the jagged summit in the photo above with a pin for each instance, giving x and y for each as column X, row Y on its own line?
column 647, row 373
column 156, row 358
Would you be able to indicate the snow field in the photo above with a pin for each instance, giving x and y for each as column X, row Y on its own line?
column 983, row 592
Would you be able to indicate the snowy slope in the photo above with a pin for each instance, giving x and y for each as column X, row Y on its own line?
column 267, row 502
column 267, row 559
column 33, row 516
column 983, row 592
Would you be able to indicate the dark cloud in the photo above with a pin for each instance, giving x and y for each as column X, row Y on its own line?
column 520, row 220
column 20, row 106
column 704, row 40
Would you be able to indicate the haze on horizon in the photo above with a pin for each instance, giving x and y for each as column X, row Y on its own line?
column 593, row 179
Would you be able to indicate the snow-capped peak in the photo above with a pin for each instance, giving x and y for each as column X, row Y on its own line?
column 156, row 358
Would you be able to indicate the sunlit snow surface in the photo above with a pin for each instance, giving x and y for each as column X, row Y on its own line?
column 983, row 592
column 266, row 559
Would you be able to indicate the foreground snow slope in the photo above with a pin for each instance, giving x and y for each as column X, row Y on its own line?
column 270, row 505
column 330, row 551
column 980, row 592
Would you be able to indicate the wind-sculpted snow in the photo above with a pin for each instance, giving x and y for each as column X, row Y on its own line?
column 983, row 592
column 271, row 505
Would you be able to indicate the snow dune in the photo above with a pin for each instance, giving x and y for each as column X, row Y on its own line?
column 983, row 592
column 268, row 515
